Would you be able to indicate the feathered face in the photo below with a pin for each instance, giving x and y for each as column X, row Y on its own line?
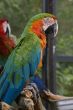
column 50, row 25
column 6, row 42
column 4, row 28
column 44, row 24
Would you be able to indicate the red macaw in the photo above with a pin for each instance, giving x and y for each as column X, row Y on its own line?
column 7, row 42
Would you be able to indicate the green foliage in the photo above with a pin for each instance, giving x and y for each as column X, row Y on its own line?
column 64, row 46
column 65, row 34
column 18, row 12
column 65, row 78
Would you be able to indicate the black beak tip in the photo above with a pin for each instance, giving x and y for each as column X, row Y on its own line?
column 49, row 30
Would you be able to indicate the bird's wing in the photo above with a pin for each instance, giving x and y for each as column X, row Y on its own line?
column 21, row 64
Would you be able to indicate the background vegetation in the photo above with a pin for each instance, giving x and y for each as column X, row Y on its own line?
column 18, row 13
column 64, row 46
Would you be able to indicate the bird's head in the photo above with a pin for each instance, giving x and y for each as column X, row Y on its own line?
column 43, row 23
column 7, row 42
column 4, row 28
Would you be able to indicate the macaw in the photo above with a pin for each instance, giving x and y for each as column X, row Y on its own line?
column 7, row 42
column 26, row 58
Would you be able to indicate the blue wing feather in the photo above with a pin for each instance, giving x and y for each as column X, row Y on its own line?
column 10, row 89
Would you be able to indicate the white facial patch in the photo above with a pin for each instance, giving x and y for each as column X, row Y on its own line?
column 5, row 26
column 48, row 22
column 8, row 26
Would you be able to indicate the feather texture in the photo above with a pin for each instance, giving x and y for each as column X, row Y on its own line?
column 21, row 65
column 22, row 62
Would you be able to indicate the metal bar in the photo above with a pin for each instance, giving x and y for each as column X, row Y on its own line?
column 51, row 63
column 45, row 5
column 64, row 58
column 49, row 6
column 49, row 57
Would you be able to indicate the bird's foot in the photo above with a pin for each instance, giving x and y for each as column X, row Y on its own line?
column 5, row 106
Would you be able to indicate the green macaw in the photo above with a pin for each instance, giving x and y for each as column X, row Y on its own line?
column 26, row 58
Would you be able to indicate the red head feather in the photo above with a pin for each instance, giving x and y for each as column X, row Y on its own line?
column 36, row 28
column 2, row 21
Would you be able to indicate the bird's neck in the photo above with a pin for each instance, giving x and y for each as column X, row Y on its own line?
column 36, row 28
column 6, row 46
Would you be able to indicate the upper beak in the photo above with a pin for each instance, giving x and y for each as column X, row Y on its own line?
column 50, row 26
column 47, row 22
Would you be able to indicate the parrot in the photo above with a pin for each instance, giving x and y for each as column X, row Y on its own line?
column 26, row 57
column 7, row 42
